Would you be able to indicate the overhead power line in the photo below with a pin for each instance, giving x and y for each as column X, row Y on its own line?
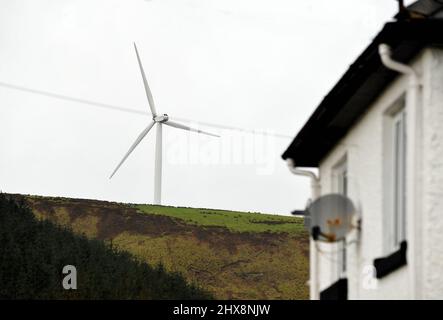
column 73, row 99
column 131, row 110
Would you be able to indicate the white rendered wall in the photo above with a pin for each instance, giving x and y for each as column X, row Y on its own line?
column 363, row 147
column 432, row 244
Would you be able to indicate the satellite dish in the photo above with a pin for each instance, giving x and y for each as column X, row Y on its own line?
column 330, row 217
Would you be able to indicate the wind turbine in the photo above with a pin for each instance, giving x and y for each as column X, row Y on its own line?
column 158, row 120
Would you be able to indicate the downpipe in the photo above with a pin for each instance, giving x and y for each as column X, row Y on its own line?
column 314, row 288
column 414, row 151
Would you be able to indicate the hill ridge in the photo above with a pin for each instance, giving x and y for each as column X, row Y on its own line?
column 231, row 254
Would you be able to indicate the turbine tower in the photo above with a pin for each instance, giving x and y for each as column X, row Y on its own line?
column 159, row 121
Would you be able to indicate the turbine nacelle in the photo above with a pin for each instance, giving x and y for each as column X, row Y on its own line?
column 162, row 119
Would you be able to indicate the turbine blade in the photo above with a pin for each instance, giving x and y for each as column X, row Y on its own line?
column 135, row 144
column 145, row 82
column 183, row 127
column 232, row 128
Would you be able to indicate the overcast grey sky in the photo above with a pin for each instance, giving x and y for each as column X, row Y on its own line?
column 256, row 64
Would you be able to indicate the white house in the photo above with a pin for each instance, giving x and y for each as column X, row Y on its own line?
column 377, row 137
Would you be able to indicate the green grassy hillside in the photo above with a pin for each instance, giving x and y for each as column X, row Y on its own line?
column 233, row 255
column 233, row 221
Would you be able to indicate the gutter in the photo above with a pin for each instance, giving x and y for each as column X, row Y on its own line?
column 315, row 181
column 385, row 52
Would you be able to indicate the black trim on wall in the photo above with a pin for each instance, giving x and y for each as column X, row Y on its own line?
column 337, row 291
column 394, row 261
